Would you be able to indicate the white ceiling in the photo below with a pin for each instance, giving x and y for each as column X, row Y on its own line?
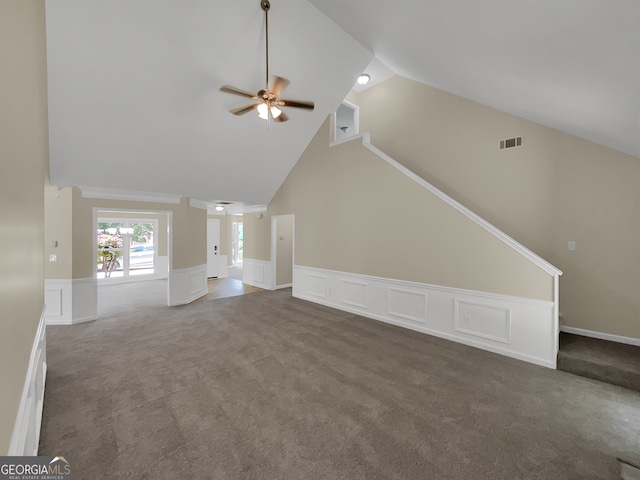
column 133, row 84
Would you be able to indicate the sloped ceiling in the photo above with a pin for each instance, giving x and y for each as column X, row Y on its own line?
column 134, row 99
column 573, row 65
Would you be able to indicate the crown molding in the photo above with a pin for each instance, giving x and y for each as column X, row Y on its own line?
column 131, row 195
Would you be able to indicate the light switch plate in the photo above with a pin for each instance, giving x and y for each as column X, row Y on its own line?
column 572, row 245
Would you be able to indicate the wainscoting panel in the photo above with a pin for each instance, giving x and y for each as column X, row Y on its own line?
column 486, row 321
column 53, row 299
column 70, row 301
column 354, row 293
column 85, row 300
column 256, row 273
column 187, row 284
column 26, row 430
column 407, row 304
column 516, row 327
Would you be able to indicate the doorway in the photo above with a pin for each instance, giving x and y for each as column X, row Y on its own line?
column 126, row 249
column 131, row 251
column 282, row 250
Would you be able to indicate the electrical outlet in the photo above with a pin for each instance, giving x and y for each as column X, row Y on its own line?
column 53, row 257
column 571, row 245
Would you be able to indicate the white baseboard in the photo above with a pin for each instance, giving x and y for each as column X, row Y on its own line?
column 26, row 430
column 520, row 328
column 256, row 273
column 286, row 285
column 602, row 336
column 187, row 285
column 70, row 301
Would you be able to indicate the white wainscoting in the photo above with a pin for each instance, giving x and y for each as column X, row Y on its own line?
column 26, row 430
column 187, row 284
column 516, row 327
column 256, row 273
column 70, row 301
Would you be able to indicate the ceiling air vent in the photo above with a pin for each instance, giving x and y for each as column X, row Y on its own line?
column 510, row 143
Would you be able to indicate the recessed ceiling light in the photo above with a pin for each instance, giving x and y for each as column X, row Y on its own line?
column 363, row 79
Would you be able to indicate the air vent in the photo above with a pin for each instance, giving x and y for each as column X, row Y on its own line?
column 510, row 143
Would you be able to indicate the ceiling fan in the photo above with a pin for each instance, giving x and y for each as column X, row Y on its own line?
column 267, row 99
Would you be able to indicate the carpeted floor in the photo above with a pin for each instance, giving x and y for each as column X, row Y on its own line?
column 610, row 362
column 266, row 386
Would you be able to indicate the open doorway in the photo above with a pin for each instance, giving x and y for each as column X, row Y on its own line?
column 131, row 253
column 282, row 250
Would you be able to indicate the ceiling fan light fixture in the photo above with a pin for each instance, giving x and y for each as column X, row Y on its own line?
column 263, row 111
column 275, row 112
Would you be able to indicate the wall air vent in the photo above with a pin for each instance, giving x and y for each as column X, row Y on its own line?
column 510, row 143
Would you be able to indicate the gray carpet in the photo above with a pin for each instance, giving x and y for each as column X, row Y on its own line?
column 610, row 362
column 266, row 386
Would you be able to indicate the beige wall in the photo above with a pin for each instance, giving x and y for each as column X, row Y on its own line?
column 553, row 189
column 356, row 213
column 257, row 235
column 24, row 159
column 189, row 231
column 58, row 226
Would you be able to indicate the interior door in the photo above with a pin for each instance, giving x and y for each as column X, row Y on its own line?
column 213, row 247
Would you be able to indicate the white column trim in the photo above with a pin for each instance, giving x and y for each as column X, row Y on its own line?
column 70, row 301
column 187, row 285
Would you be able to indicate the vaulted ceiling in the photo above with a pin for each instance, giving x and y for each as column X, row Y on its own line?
column 134, row 100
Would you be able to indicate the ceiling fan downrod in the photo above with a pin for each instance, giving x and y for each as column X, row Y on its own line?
column 265, row 5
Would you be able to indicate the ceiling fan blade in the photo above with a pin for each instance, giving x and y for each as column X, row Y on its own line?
column 296, row 104
column 243, row 110
column 281, row 118
column 279, row 84
column 237, row 91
